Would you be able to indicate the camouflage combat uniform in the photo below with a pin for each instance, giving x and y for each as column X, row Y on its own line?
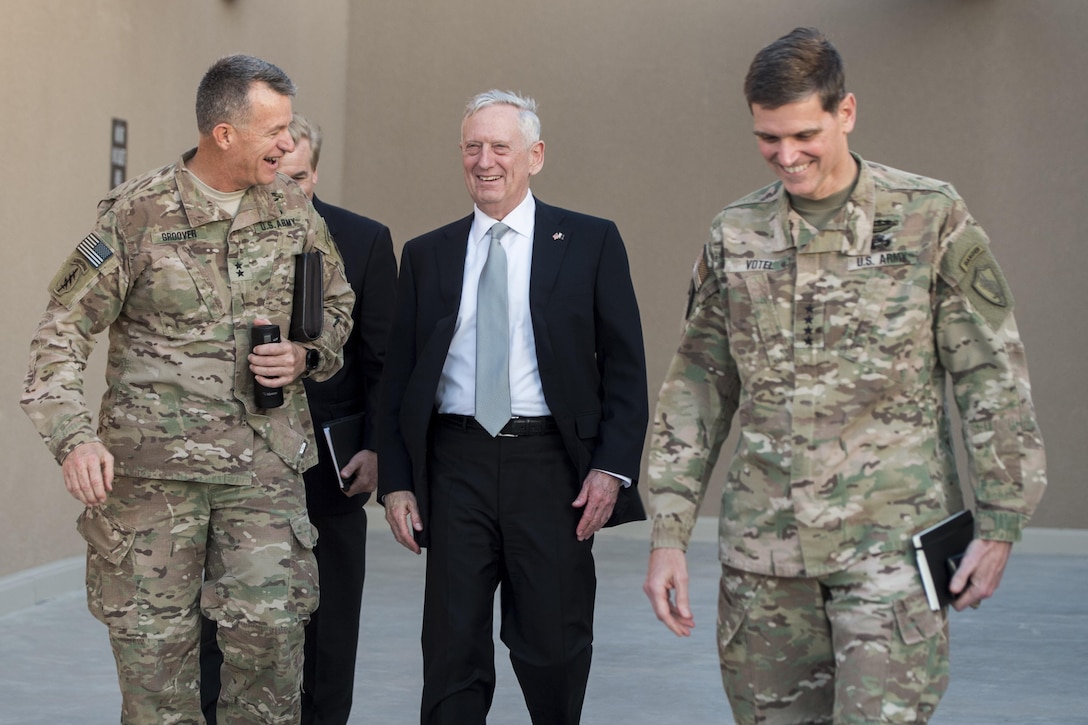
column 833, row 346
column 204, row 478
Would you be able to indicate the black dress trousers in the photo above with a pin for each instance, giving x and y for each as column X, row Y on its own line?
column 501, row 518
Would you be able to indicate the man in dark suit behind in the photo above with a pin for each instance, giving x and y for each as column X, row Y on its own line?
column 332, row 635
column 515, row 507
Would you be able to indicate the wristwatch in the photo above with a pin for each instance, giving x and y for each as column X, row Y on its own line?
column 313, row 359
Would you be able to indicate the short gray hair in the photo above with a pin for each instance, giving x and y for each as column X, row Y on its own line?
column 528, row 121
column 223, row 93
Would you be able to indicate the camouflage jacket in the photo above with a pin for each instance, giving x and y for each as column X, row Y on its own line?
column 832, row 348
column 179, row 283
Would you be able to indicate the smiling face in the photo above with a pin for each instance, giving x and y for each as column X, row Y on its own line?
column 297, row 166
column 498, row 162
column 258, row 144
column 806, row 146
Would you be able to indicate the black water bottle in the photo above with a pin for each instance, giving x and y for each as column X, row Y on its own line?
column 266, row 397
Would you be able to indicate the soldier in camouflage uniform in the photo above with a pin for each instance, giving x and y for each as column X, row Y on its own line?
column 194, row 495
column 827, row 311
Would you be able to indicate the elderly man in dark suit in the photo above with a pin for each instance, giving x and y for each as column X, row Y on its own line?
column 513, row 414
column 334, row 499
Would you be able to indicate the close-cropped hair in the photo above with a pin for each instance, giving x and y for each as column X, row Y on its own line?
column 528, row 121
column 303, row 128
column 794, row 67
column 223, row 93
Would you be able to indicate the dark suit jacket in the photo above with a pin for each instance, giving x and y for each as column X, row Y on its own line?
column 588, row 343
column 371, row 269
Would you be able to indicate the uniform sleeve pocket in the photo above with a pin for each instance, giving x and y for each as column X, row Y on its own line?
column 915, row 621
column 110, row 539
column 304, row 531
column 304, row 578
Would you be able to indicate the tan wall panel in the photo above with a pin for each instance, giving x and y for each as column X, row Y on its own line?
column 66, row 68
column 645, row 122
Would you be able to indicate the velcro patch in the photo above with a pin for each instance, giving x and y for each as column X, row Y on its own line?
column 886, row 259
column 987, row 281
column 700, row 273
column 741, row 265
column 94, row 250
column 91, row 258
column 67, row 279
column 971, row 262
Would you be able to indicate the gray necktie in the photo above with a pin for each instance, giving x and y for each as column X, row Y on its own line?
column 493, row 338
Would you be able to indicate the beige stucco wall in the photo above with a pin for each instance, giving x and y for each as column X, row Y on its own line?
column 67, row 67
column 644, row 123
column 644, row 120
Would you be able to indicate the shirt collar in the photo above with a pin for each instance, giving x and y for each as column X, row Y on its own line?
column 520, row 219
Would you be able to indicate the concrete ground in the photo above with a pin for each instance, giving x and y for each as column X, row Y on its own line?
column 1021, row 658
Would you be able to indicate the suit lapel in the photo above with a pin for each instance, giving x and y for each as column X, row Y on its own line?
column 550, row 240
column 450, row 258
column 319, row 206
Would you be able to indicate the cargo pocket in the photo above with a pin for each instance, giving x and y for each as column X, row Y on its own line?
column 918, row 663
column 733, row 607
column 110, row 584
column 737, row 591
column 303, row 596
column 915, row 621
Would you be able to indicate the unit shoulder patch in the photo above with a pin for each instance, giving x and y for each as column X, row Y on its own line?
column 971, row 263
column 94, row 250
column 986, row 280
column 92, row 258
column 698, row 288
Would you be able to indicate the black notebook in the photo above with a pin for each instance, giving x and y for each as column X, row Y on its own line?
column 308, row 304
column 938, row 550
column 344, row 438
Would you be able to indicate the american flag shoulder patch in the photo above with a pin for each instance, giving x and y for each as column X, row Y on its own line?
column 94, row 250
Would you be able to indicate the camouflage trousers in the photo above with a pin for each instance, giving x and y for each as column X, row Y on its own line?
column 857, row 646
column 161, row 551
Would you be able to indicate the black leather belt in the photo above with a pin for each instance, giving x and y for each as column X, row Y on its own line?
column 518, row 425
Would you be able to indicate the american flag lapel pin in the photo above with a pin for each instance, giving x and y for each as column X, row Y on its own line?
column 559, row 236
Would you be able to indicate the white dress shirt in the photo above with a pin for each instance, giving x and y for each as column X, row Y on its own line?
column 456, row 391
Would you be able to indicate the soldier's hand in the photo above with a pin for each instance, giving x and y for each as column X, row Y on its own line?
column 667, row 587
column 598, row 496
column 402, row 513
column 979, row 573
column 88, row 473
column 276, row 364
column 362, row 471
